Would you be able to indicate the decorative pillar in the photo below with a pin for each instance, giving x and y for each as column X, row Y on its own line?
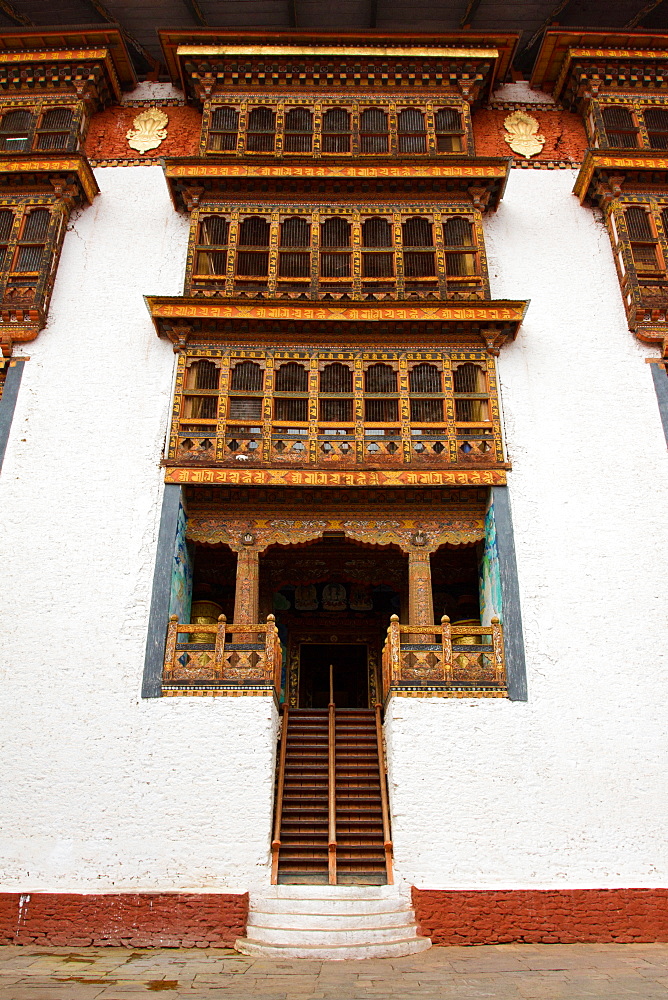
column 246, row 598
column 420, row 597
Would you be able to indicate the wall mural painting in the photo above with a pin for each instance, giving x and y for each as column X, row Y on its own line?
column 490, row 576
column 180, row 597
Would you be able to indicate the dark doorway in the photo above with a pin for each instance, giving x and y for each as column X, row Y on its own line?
column 351, row 681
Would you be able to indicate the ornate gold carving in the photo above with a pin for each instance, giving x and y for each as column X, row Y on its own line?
column 522, row 134
column 149, row 130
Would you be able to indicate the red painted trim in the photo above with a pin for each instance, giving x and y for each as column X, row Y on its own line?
column 539, row 916
column 137, row 920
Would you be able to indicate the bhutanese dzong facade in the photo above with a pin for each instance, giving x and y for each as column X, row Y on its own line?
column 334, row 388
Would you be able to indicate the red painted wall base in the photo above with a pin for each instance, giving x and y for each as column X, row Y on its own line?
column 136, row 920
column 542, row 916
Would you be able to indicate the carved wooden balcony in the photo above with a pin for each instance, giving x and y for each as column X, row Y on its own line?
column 201, row 657
column 338, row 410
column 453, row 660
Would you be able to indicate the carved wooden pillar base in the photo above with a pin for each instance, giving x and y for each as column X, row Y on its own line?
column 420, row 597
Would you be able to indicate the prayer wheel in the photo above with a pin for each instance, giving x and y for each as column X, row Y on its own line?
column 204, row 613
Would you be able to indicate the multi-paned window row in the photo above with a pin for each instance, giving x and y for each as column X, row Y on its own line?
column 333, row 411
column 371, row 131
column 39, row 129
column 398, row 252
column 632, row 126
column 640, row 242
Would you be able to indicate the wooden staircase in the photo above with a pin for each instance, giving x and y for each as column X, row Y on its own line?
column 331, row 820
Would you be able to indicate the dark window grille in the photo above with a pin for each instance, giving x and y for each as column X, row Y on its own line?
column 638, row 224
column 335, row 265
column 620, row 127
column 411, row 131
column 417, row 232
column 261, row 130
column 381, row 410
column 245, row 409
column 295, row 232
column 380, row 378
column 54, row 129
column 424, row 378
column 336, row 131
column 254, row 232
column 335, row 233
column 448, row 122
column 298, row 131
column 419, row 265
column 469, row 378
column 645, row 256
column 291, row 377
column 336, row 411
column 656, row 121
column 203, row 375
column 664, row 220
column 201, row 407
column 376, row 232
column 458, row 232
column 29, row 258
column 15, row 131
column 427, row 411
column 377, row 265
column 252, row 264
column 6, row 224
column 224, row 129
column 336, row 378
column 291, row 409
column 247, row 377
column 460, row 265
column 211, row 262
column 373, row 131
column 470, row 411
column 213, row 231
column 36, row 226
column 294, row 265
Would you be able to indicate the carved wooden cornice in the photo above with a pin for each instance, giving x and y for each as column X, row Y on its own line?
column 193, row 180
column 69, row 175
column 605, row 172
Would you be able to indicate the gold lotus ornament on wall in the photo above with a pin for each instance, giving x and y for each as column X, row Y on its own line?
column 522, row 134
column 148, row 130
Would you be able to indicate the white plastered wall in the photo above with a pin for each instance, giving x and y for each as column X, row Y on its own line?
column 100, row 790
column 569, row 789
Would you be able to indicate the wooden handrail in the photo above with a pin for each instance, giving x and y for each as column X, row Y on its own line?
column 280, row 784
column 331, row 781
column 384, row 803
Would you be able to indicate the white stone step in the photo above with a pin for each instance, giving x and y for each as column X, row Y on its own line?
column 332, row 906
column 329, row 921
column 305, row 891
column 326, row 937
column 395, row 949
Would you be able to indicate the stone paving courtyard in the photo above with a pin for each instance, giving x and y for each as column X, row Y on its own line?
column 511, row 972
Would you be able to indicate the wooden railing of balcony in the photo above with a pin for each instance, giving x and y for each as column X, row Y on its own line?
column 465, row 657
column 219, row 662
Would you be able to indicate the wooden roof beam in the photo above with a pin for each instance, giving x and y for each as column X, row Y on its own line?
column 561, row 6
column 469, row 14
column 105, row 13
column 196, row 11
column 10, row 10
column 642, row 14
column 292, row 13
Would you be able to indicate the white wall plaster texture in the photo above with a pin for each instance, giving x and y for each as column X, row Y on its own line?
column 569, row 789
column 521, row 92
column 103, row 791
column 147, row 91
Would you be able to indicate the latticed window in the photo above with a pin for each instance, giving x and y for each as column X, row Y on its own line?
column 656, row 122
column 261, row 130
column 337, row 379
column 6, row 226
column 374, row 132
column 211, row 252
column 291, row 378
column 295, row 232
column 336, row 131
column 417, row 232
column 253, row 232
column 55, row 128
column 412, row 132
column 425, row 379
column 224, row 129
column 335, row 234
column 16, row 131
column 247, row 376
column 471, row 394
column 32, row 241
column 298, row 131
column 380, row 380
column 458, row 235
column 449, row 130
column 202, row 375
column 620, row 127
column 644, row 244
column 376, row 234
